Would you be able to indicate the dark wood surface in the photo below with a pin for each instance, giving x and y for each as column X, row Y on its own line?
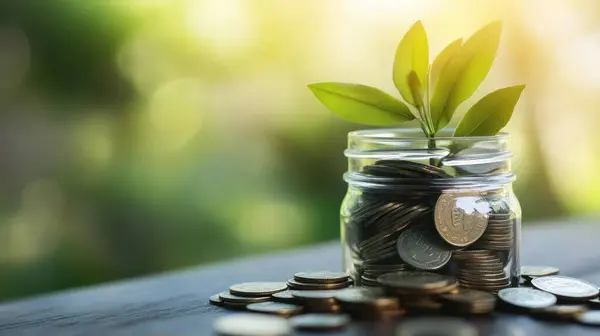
column 176, row 303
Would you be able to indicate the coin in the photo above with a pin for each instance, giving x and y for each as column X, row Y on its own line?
column 594, row 302
column 320, row 322
column 228, row 297
column 461, row 218
column 566, row 287
column 436, row 326
column 321, row 277
column 526, row 298
column 538, row 271
column 257, row 288
column 421, row 250
column 251, row 325
column 591, row 317
column 415, row 281
column 315, row 296
column 562, row 312
column 284, row 297
column 215, row 300
column 360, row 298
column 469, row 296
column 276, row 308
column 293, row 284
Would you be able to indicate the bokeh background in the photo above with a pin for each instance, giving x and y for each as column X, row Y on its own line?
column 140, row 136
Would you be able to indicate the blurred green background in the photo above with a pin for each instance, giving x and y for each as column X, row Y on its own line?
column 140, row 136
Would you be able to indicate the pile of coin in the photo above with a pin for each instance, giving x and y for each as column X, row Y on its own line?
column 430, row 225
column 552, row 297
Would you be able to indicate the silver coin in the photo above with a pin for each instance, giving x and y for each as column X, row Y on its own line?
column 257, row 288
column 420, row 249
column 442, row 326
column 321, row 277
column 566, row 287
column 252, row 325
column 527, row 298
column 320, row 322
column 228, row 297
column 591, row 317
column 275, row 308
column 538, row 271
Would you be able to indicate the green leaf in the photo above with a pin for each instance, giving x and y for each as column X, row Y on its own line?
column 490, row 114
column 361, row 104
column 442, row 59
column 464, row 73
column 412, row 55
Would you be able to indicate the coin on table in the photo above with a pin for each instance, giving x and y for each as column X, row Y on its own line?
column 529, row 272
column 469, row 296
column 315, row 296
column 297, row 285
column 228, row 297
column 591, row 317
column 594, row 302
column 566, row 287
column 321, row 277
column 275, row 308
column 283, row 297
column 420, row 249
column 415, row 281
column 216, row 300
column 257, row 288
column 360, row 296
column 252, row 325
column 320, row 322
column 527, row 298
column 562, row 312
column 436, row 326
column 461, row 218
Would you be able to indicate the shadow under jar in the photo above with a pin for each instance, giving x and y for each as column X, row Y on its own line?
column 443, row 205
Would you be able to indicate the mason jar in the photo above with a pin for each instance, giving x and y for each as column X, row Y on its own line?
column 443, row 205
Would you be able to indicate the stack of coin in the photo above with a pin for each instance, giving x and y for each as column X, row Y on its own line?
column 480, row 269
column 369, row 303
column 498, row 235
column 468, row 301
column 241, row 295
column 321, row 280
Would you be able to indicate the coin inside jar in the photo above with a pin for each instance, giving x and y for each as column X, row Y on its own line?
column 461, row 218
column 421, row 249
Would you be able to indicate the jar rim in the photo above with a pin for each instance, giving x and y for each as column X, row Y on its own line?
column 411, row 134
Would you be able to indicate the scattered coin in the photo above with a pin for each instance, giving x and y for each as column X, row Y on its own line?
column 228, row 297
column 216, row 300
column 283, row 297
column 560, row 312
column 257, row 288
column 276, row 308
column 320, row 322
column 315, row 296
column 420, row 249
column 526, row 298
column 252, row 325
column 321, row 277
column 297, row 285
column 416, row 282
column 529, row 272
column 461, row 218
column 436, row 326
column 591, row 317
column 594, row 302
column 566, row 287
column 469, row 301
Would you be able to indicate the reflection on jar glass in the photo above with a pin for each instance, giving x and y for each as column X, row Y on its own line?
column 443, row 205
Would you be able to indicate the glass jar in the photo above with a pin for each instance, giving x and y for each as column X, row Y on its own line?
column 444, row 205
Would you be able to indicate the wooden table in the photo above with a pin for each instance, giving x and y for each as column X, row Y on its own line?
column 176, row 303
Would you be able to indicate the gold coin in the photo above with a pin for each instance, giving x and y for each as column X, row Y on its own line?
column 461, row 218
